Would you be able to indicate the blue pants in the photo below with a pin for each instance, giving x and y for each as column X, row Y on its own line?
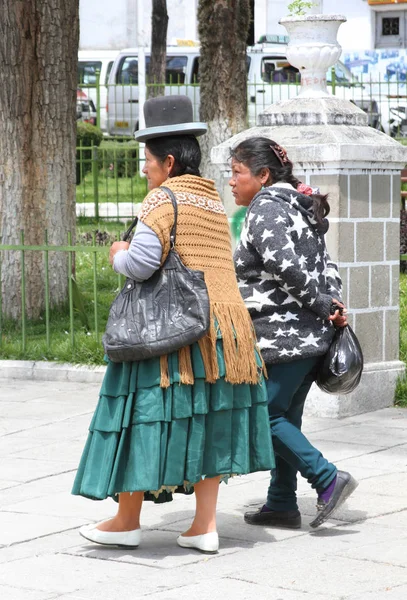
column 287, row 386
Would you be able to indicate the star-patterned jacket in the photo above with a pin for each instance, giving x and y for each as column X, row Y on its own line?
column 285, row 275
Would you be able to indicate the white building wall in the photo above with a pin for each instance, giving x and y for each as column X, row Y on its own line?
column 105, row 24
column 357, row 33
column 113, row 25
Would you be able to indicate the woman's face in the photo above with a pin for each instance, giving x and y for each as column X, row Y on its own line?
column 244, row 184
column 155, row 170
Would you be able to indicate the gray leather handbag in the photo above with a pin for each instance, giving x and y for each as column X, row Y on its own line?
column 160, row 315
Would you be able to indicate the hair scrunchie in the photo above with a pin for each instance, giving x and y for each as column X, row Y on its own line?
column 307, row 190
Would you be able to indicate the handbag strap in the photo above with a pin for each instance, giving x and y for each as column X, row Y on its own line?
column 173, row 233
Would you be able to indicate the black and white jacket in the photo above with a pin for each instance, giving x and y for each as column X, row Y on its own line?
column 285, row 275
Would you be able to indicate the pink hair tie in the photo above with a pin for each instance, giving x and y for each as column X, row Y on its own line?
column 305, row 189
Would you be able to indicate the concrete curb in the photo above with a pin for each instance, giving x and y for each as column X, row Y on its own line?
column 49, row 371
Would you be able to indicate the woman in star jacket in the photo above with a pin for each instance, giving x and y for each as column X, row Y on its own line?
column 291, row 289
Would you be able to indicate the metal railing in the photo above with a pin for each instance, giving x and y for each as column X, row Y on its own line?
column 67, row 315
column 108, row 180
column 72, row 330
column 383, row 99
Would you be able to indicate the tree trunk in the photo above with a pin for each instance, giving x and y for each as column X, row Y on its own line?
column 223, row 28
column 38, row 63
column 158, row 49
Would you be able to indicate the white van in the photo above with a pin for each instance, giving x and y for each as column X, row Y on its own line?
column 268, row 73
column 181, row 76
column 92, row 63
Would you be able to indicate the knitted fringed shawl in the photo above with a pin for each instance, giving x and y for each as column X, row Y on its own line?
column 203, row 243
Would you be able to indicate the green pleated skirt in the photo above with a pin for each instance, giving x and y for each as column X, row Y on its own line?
column 146, row 438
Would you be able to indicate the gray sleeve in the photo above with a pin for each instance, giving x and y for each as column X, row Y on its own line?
column 142, row 258
column 333, row 279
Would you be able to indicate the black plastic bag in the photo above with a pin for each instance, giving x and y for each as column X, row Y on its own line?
column 341, row 368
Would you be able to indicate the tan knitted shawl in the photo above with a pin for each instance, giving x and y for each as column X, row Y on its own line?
column 203, row 243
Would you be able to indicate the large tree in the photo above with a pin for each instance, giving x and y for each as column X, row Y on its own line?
column 38, row 73
column 223, row 29
column 158, row 48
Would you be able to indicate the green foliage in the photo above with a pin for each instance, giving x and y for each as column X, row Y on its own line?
column 401, row 388
column 119, row 159
column 401, row 391
column 88, row 347
column 79, row 304
column 298, row 8
column 237, row 223
column 86, row 135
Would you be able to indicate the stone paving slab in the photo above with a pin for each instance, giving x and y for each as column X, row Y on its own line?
column 62, row 573
column 44, row 545
column 14, row 593
column 395, row 592
column 391, row 552
column 20, row 527
column 357, row 433
column 359, row 555
column 214, row 589
column 343, row 576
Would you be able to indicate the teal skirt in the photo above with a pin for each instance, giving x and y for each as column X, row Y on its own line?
column 146, row 438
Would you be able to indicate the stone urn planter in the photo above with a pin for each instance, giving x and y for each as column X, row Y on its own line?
column 313, row 49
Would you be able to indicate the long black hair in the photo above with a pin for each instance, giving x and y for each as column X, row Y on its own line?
column 259, row 153
column 185, row 150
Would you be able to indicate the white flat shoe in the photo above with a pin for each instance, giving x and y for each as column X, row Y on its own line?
column 130, row 539
column 207, row 542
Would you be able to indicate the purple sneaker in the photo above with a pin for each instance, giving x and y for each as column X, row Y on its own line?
column 330, row 499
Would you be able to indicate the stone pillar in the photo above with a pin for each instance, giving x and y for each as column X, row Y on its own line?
column 332, row 147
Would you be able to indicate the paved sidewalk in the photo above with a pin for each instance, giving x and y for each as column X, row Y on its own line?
column 362, row 555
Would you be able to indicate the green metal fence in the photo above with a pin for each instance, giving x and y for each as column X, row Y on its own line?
column 71, row 331
column 114, row 107
column 109, row 179
column 109, row 182
column 60, row 331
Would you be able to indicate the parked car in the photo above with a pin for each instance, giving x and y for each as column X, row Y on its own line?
column 85, row 109
column 270, row 78
column 94, row 67
column 181, row 77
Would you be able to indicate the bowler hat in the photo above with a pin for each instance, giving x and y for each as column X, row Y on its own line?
column 169, row 115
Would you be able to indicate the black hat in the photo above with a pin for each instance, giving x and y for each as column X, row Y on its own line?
column 169, row 115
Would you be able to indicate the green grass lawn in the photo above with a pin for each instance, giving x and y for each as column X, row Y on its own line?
column 87, row 345
column 111, row 189
column 401, row 389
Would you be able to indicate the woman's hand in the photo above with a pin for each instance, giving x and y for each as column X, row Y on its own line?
column 338, row 319
column 115, row 247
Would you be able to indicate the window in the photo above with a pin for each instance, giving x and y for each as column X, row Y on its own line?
column 390, row 26
column 88, row 72
column 109, row 68
column 275, row 70
column 391, row 31
column 195, row 71
column 128, row 71
column 175, row 70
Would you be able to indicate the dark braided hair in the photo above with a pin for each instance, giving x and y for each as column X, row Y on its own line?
column 185, row 150
column 259, row 153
